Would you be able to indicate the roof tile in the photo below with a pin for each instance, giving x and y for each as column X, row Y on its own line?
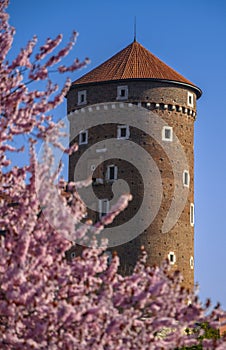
column 133, row 62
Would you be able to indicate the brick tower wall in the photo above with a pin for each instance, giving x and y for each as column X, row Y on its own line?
column 170, row 102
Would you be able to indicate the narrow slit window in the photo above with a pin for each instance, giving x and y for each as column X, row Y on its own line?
column 190, row 100
column 192, row 214
column 103, row 207
column 112, row 172
column 186, row 178
column 192, row 262
column 82, row 97
column 172, row 258
column 123, row 132
column 83, row 137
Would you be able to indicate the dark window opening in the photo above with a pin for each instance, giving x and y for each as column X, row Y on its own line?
column 111, row 173
column 186, row 178
column 83, row 137
column 123, row 93
column 104, row 207
column 171, row 258
column 167, row 133
column 123, row 132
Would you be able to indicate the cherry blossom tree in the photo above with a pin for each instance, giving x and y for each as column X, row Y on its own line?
column 47, row 302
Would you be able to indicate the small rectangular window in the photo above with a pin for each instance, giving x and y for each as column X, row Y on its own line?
column 112, row 172
column 192, row 262
column 172, row 258
column 167, row 133
column 122, row 92
column 192, row 214
column 186, row 178
column 123, row 132
column 103, row 207
column 190, row 100
column 82, row 97
column 83, row 137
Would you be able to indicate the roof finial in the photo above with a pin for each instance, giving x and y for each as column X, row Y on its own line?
column 135, row 29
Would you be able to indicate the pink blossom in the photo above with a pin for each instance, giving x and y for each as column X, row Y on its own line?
column 49, row 46
column 47, row 302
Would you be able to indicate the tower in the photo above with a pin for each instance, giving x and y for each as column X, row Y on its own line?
column 136, row 100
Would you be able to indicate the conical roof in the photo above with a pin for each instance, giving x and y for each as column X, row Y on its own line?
column 133, row 62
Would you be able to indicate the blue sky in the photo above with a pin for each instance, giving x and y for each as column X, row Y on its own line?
column 190, row 37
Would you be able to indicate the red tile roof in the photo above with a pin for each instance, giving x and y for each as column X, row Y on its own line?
column 133, row 62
